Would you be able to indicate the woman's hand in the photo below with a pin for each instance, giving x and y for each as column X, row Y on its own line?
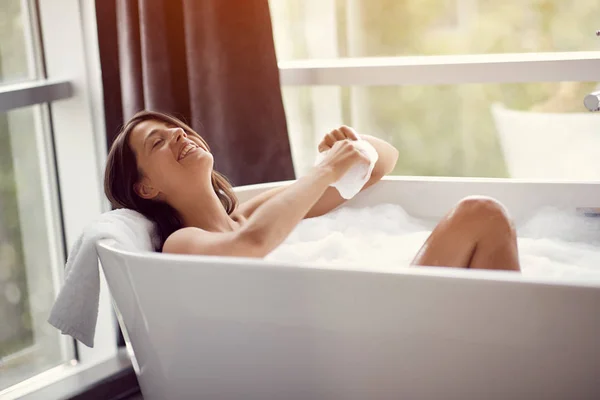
column 340, row 159
column 388, row 155
column 342, row 133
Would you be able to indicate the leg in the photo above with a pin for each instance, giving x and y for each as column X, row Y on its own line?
column 477, row 233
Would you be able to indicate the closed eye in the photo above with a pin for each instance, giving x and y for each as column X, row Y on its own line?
column 159, row 141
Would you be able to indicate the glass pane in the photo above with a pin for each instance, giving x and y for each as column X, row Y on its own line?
column 17, row 43
column 309, row 29
column 530, row 131
column 28, row 251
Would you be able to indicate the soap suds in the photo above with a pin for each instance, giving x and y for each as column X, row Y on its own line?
column 551, row 243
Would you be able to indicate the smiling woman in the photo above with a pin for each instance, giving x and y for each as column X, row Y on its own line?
column 160, row 167
column 143, row 163
column 188, row 149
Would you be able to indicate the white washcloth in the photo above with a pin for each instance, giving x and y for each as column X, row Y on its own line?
column 75, row 311
column 356, row 177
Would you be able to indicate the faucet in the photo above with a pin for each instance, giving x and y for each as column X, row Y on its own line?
column 592, row 100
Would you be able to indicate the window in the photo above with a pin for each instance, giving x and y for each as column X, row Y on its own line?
column 450, row 108
column 30, row 240
column 28, row 250
column 18, row 56
column 50, row 185
column 528, row 131
column 311, row 29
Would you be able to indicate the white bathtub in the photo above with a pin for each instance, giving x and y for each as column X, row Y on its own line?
column 234, row 328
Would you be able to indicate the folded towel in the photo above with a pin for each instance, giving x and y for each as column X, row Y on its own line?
column 75, row 311
column 356, row 177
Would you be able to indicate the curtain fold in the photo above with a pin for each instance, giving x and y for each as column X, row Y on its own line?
column 209, row 62
column 130, row 57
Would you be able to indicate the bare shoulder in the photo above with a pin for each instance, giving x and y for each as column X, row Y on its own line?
column 183, row 241
column 200, row 242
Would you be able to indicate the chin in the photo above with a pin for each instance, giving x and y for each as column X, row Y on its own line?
column 203, row 161
column 200, row 156
column 208, row 158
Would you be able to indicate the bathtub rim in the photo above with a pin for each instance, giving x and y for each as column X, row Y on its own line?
column 522, row 197
column 561, row 183
column 110, row 245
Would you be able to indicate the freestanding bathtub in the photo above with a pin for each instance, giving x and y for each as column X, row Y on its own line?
column 234, row 328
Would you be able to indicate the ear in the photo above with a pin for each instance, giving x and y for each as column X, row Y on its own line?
column 145, row 190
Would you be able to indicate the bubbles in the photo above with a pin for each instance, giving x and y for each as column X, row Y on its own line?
column 12, row 293
column 552, row 243
column 383, row 235
column 564, row 225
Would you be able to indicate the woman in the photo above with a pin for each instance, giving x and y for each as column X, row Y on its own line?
column 161, row 168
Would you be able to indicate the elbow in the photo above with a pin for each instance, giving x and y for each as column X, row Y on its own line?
column 394, row 160
column 386, row 164
column 253, row 243
column 390, row 162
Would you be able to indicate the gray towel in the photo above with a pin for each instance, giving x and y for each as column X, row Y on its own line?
column 75, row 311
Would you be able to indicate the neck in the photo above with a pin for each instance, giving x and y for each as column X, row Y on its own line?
column 203, row 209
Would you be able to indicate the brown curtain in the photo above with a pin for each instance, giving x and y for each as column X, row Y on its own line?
column 209, row 62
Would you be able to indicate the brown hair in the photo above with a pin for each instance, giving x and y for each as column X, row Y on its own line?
column 122, row 173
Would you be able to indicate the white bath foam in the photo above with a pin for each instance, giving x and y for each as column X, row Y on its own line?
column 551, row 243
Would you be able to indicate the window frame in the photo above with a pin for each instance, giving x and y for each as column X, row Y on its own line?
column 576, row 66
column 26, row 94
column 69, row 90
column 78, row 130
column 326, row 76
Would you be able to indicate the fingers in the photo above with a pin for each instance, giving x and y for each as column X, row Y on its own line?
column 346, row 147
column 349, row 132
column 336, row 135
column 326, row 143
column 360, row 156
column 329, row 140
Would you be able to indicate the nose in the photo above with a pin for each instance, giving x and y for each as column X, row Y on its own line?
column 179, row 134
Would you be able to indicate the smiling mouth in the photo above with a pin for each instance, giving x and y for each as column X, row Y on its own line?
column 186, row 150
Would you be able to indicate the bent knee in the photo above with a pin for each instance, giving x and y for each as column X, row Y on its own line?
column 484, row 210
column 481, row 204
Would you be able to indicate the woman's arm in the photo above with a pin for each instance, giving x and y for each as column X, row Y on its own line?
column 388, row 155
column 273, row 220
column 331, row 199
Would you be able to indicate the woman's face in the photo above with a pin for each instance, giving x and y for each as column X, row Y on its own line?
column 168, row 158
